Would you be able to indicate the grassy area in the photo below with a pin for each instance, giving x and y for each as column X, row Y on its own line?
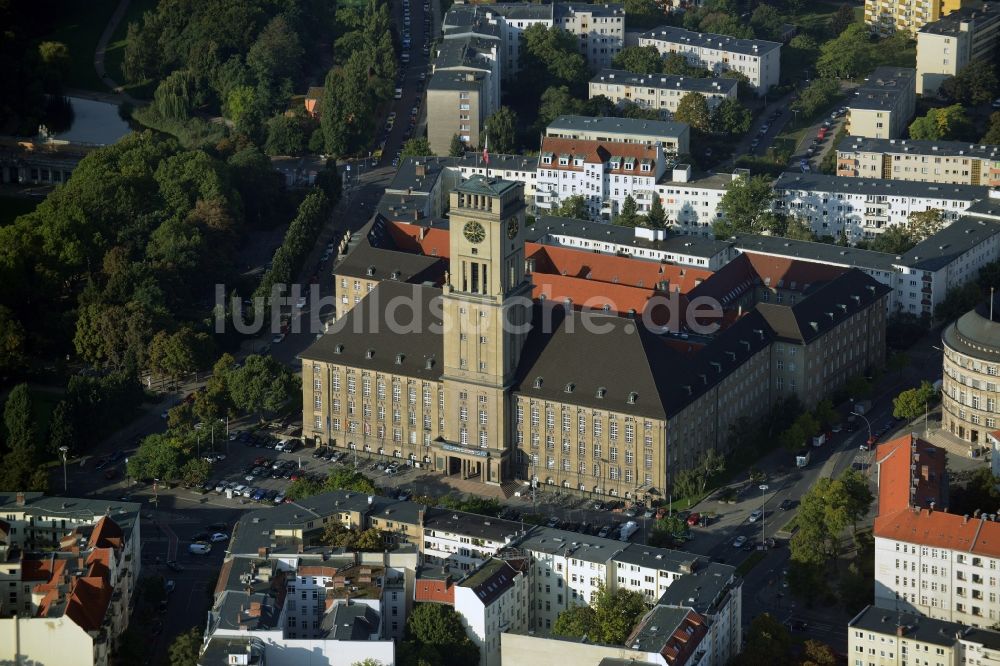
column 12, row 207
column 80, row 27
column 816, row 19
column 115, row 54
column 749, row 563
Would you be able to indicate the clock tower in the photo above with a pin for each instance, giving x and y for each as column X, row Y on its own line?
column 487, row 314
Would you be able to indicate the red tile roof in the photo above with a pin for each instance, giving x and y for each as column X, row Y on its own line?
column 903, row 516
column 428, row 241
column 613, row 269
column 784, row 273
column 597, row 152
column 88, row 601
column 107, row 534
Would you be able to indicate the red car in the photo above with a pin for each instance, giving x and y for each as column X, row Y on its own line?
column 694, row 519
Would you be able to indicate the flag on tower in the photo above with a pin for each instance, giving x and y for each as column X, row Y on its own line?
column 486, row 150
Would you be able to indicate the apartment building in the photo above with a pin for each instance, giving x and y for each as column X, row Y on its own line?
column 862, row 208
column 462, row 91
column 672, row 137
column 69, row 575
column 676, row 634
column 888, row 16
column 715, row 593
column 599, row 28
column 879, row 638
column 946, row 162
column 691, row 202
column 884, row 104
column 928, row 561
column 604, row 174
column 492, row 600
column 758, row 59
column 464, row 541
column 660, row 92
column 950, row 43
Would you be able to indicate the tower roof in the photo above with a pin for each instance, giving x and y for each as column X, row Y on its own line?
column 493, row 187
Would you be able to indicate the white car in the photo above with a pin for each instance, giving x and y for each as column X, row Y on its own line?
column 249, row 491
column 200, row 548
column 238, row 489
column 756, row 515
column 280, row 498
column 739, row 541
column 278, row 338
column 219, row 536
column 221, row 488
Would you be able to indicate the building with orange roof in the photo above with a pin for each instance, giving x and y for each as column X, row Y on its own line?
column 71, row 567
column 929, row 561
column 604, row 173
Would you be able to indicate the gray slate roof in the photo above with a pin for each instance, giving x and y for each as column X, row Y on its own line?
column 711, row 41
column 621, row 127
column 656, row 628
column 450, row 79
column 350, row 622
column 698, row 246
column 811, row 250
column 918, row 147
column 915, row 626
column 704, row 589
column 473, row 525
column 951, row 24
column 586, row 547
column 818, row 182
column 380, row 260
column 705, row 86
column 950, row 243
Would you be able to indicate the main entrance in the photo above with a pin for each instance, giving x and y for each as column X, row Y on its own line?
column 460, row 466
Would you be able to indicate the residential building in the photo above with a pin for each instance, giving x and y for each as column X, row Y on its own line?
column 464, row 541
column 994, row 443
column 928, row 561
column 604, row 174
column 599, row 28
column 888, row 16
column 953, row 41
column 660, row 92
column 492, row 600
column 691, row 202
column 882, row 107
column 944, row 162
column 879, row 638
column 969, row 393
column 715, row 592
column 758, row 59
column 672, row 137
column 677, row 634
column 530, row 649
column 862, row 208
column 458, row 103
column 69, row 575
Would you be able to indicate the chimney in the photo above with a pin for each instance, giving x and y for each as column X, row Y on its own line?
column 420, row 169
column 900, row 630
column 20, row 499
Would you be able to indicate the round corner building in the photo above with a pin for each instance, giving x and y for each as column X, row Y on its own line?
column 969, row 390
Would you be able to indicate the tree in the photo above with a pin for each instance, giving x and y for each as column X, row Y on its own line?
column 416, row 147
column 992, row 135
column 302, row 488
column 286, row 135
column 19, row 419
column 745, row 207
column 911, row 403
column 186, row 648
column 893, row 240
column 976, row 83
column 573, row 207
column 642, row 14
column 767, row 642
column 261, row 385
column 847, row 56
column 62, row 428
column 817, row 97
column 677, row 64
column 686, row 483
column 712, row 463
column 639, row 59
column 551, row 56
column 370, row 662
column 948, row 123
column 693, row 110
column 656, row 218
column 628, row 215
column 158, row 457
column 501, row 127
column 556, row 101
column 195, row 472
column 924, row 224
column 796, row 229
column 439, row 626
column 854, row 494
column 457, row 147
column 12, row 341
column 766, row 22
column 346, row 108
column 841, row 19
column 609, row 619
column 731, row 117
column 898, row 362
column 343, row 478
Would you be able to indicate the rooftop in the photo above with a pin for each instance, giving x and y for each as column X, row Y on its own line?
column 711, row 41
column 884, row 88
column 818, row 182
column 473, row 525
column 659, row 558
column 918, row 147
column 705, row 86
column 351, row 622
column 628, row 128
column 704, row 589
column 916, row 627
column 952, row 242
column 490, row 580
column 547, row 227
column 492, row 187
column 669, row 630
column 951, row 24
column 456, row 80
column 815, row 251
column 911, row 473
column 586, row 547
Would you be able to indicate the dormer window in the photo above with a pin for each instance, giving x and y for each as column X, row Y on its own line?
column 563, row 161
column 339, row 349
column 399, row 359
column 538, row 382
column 645, row 167
column 569, row 387
column 601, row 391
column 632, row 397
column 370, row 353
column 546, row 160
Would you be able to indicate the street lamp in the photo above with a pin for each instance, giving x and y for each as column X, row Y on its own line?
column 63, row 450
column 871, row 440
column 763, row 501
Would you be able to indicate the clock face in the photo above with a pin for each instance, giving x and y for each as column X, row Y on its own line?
column 512, row 227
column 474, row 232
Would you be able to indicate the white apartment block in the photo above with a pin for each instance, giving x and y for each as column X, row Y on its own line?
column 660, row 92
column 464, row 541
column 876, row 637
column 865, row 207
column 672, row 137
column 758, row 59
column 692, row 204
column 599, row 28
column 492, row 600
column 882, row 107
column 947, row 45
column 604, row 174
column 650, row 571
column 949, row 162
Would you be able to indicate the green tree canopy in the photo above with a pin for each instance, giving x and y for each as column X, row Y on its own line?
column 847, row 56
column 501, row 127
column 457, row 147
column 261, row 385
column 656, row 218
column 416, row 147
column 574, row 206
column 628, row 216
column 976, row 83
column 440, row 627
column 693, row 110
column 731, row 117
column 609, row 619
column 639, row 59
column 911, row 403
column 186, row 648
column 746, row 207
column 947, row 123
column 817, row 97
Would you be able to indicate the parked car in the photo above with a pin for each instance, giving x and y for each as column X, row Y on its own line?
column 219, row 536
column 604, row 531
column 694, row 519
column 553, row 522
column 279, row 498
column 786, row 505
column 169, row 586
column 200, row 548
column 739, row 541
column 756, row 515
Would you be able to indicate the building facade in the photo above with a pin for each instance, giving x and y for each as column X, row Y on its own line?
column 947, row 45
column 884, row 104
column 970, row 398
column 673, row 138
column 944, row 162
column 888, row 16
column 758, row 59
column 491, row 601
column 862, row 208
column 659, row 92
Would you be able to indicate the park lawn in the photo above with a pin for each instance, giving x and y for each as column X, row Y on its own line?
column 114, row 56
column 80, row 28
column 815, row 20
column 12, row 207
